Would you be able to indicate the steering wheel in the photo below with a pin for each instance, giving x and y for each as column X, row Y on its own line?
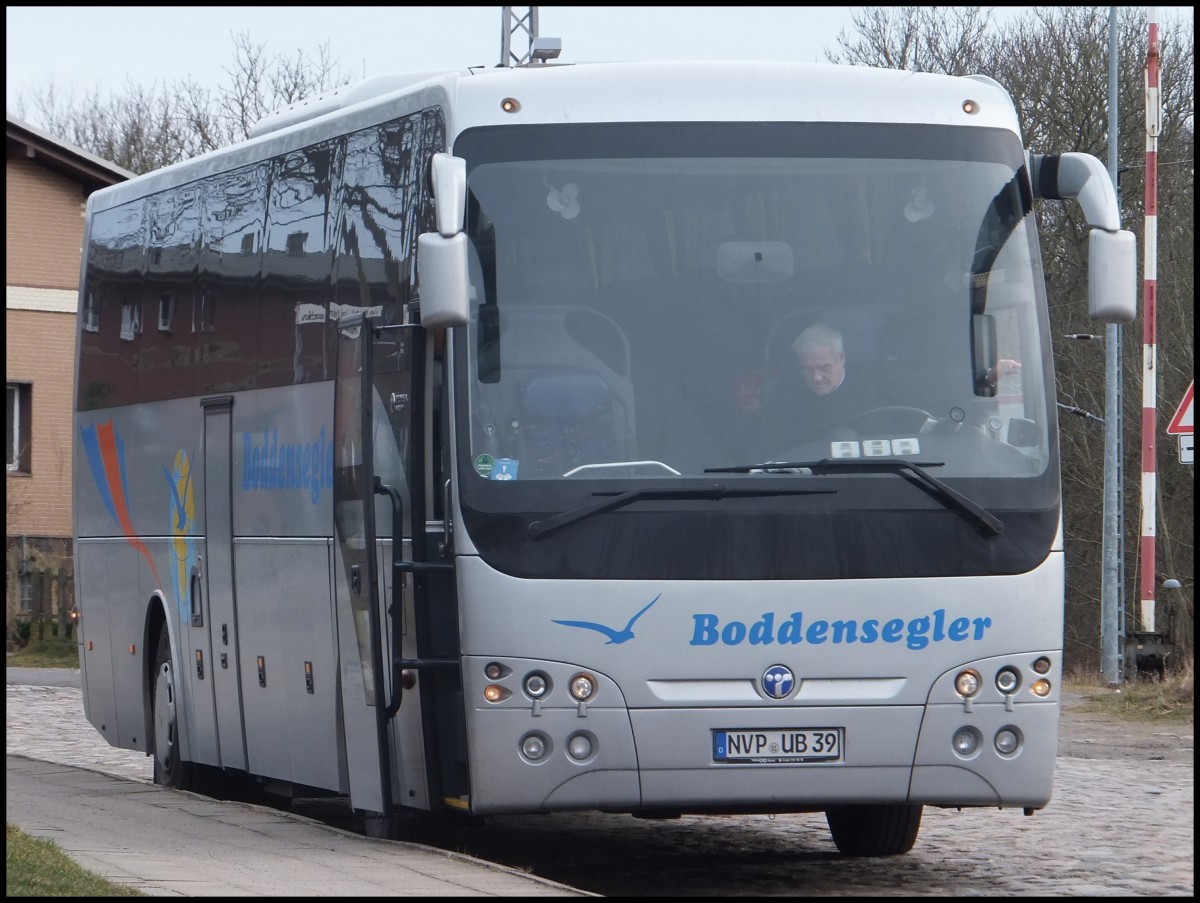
column 897, row 418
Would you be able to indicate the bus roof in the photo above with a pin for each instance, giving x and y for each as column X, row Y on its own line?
column 704, row 91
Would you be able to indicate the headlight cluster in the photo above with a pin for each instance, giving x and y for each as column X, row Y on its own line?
column 536, row 685
column 536, row 745
column 1007, row 680
column 967, row 741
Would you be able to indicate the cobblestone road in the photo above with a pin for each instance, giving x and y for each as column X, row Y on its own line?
column 1121, row 824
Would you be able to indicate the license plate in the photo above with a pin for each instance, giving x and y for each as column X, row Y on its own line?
column 777, row 746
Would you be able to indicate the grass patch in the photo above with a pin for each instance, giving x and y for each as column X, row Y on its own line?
column 51, row 653
column 38, row 868
column 1170, row 700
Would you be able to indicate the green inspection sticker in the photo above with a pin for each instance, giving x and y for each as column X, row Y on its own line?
column 484, row 465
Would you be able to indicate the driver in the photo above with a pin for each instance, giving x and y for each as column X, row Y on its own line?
column 827, row 395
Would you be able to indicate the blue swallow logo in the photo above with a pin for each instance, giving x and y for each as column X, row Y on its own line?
column 614, row 636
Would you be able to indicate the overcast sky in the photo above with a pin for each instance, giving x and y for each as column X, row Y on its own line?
column 80, row 47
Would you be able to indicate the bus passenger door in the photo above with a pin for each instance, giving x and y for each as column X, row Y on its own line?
column 213, row 608
column 397, row 414
column 356, row 591
column 376, row 502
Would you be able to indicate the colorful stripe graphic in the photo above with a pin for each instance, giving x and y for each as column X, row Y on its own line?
column 182, row 517
column 106, row 457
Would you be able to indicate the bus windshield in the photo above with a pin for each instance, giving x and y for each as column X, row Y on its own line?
column 659, row 303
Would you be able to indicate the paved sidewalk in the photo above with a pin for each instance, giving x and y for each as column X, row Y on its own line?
column 100, row 805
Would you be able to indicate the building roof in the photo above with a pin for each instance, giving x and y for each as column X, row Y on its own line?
column 26, row 140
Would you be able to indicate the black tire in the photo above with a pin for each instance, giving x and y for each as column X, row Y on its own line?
column 170, row 770
column 874, row 830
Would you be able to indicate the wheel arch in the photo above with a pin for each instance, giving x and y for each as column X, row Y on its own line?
column 154, row 623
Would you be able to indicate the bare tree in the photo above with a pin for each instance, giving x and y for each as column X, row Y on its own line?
column 949, row 39
column 144, row 128
column 1054, row 61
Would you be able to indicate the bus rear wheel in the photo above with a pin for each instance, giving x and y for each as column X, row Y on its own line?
column 170, row 770
column 874, row 830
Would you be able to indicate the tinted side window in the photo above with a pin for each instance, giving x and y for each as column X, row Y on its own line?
column 298, row 267
column 224, row 321
column 110, row 298
column 385, row 205
column 165, row 342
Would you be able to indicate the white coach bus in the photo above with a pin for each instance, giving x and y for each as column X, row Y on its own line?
column 444, row 447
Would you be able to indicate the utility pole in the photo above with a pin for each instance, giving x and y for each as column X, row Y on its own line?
column 515, row 23
column 540, row 50
column 1112, row 583
column 1148, row 641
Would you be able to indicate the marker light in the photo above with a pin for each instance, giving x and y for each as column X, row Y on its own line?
column 1042, row 665
column 495, row 693
column 536, row 685
column 970, row 107
column 582, row 687
column 967, row 683
column 510, row 105
column 966, row 741
column 1041, row 687
column 1007, row 681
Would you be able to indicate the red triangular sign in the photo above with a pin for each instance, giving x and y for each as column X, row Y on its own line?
column 1181, row 423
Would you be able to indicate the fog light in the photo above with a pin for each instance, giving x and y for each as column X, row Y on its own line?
column 495, row 693
column 582, row 687
column 533, row 747
column 536, row 685
column 1007, row 741
column 1041, row 687
column 579, row 746
column 967, row 683
column 1007, row 681
column 966, row 741
column 1042, row 665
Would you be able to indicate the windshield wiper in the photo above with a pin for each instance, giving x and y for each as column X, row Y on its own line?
column 540, row 528
column 988, row 523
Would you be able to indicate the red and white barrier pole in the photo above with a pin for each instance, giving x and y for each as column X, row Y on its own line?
column 1149, row 351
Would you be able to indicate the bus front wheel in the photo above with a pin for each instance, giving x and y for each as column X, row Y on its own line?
column 874, row 830
column 170, row 770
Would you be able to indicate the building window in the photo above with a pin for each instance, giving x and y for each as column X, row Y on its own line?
column 91, row 313
column 131, row 321
column 20, row 396
column 166, row 311
column 201, row 320
column 295, row 244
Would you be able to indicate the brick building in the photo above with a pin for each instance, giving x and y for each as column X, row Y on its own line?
column 47, row 183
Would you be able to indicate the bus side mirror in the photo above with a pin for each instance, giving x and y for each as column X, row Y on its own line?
column 1112, row 251
column 442, row 255
column 442, row 278
column 448, row 175
column 1112, row 276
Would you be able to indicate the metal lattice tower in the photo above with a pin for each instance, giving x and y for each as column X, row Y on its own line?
column 514, row 24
